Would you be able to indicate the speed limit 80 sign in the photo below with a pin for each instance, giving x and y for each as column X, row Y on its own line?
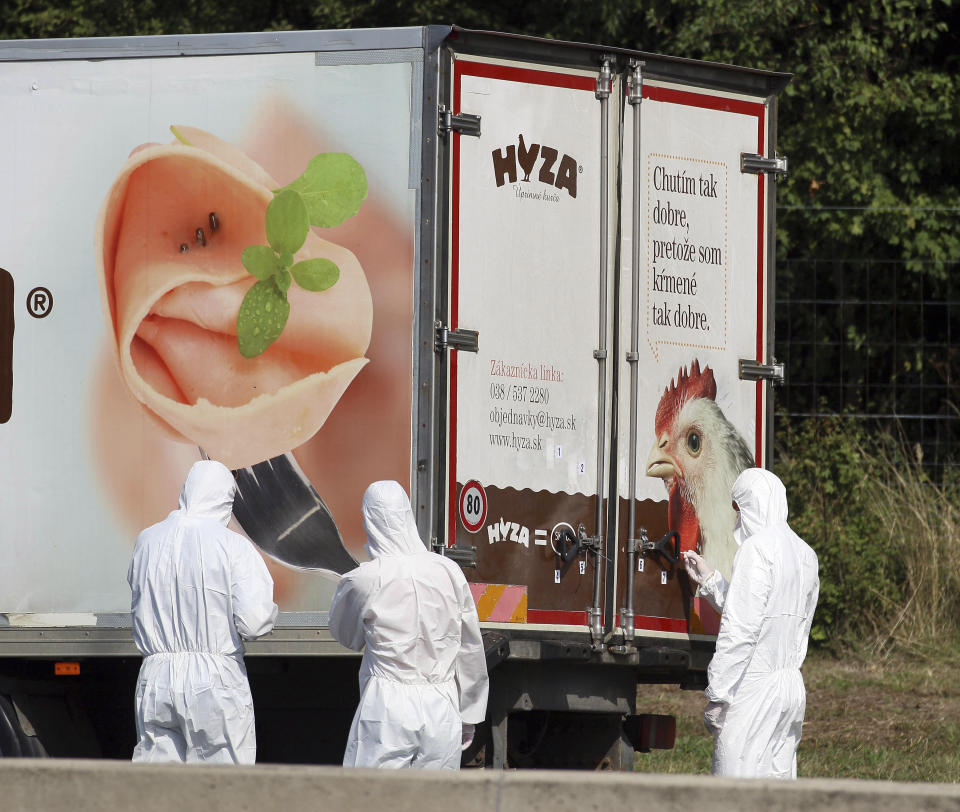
column 473, row 506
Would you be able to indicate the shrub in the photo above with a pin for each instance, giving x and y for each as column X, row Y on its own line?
column 828, row 466
column 886, row 535
column 920, row 520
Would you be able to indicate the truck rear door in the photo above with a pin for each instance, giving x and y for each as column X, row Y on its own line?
column 693, row 320
column 527, row 422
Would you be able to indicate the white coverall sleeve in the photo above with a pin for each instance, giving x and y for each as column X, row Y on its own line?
column 254, row 611
column 811, row 608
column 471, row 667
column 347, row 610
column 714, row 589
column 743, row 615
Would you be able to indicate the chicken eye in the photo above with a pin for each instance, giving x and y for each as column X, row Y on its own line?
column 693, row 442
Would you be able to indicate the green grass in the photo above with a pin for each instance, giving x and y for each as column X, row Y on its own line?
column 896, row 720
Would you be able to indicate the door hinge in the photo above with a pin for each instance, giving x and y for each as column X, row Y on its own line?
column 463, row 123
column 604, row 78
column 635, row 81
column 464, row 340
column 755, row 371
column 756, row 164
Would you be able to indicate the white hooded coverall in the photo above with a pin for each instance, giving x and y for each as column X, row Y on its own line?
column 198, row 588
column 755, row 673
column 424, row 674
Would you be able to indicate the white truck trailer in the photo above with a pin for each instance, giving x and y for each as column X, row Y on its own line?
column 530, row 280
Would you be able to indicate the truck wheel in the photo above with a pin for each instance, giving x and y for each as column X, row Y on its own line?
column 14, row 741
column 9, row 741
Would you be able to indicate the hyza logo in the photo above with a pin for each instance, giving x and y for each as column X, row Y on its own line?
column 538, row 161
column 508, row 531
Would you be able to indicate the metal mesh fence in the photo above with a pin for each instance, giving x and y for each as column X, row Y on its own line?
column 876, row 340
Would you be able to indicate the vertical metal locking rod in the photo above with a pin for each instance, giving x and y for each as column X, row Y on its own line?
column 603, row 94
column 634, row 96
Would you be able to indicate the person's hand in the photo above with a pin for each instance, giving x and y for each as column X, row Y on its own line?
column 466, row 736
column 698, row 569
column 713, row 716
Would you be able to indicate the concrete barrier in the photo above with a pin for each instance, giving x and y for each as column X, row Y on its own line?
column 77, row 786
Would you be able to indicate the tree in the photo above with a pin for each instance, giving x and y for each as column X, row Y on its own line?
column 870, row 122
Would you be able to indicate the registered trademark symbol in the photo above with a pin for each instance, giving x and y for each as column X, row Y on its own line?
column 39, row 303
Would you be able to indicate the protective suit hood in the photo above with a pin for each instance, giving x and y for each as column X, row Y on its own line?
column 388, row 520
column 762, row 500
column 208, row 492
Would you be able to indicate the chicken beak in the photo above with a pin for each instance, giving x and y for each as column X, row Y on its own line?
column 659, row 462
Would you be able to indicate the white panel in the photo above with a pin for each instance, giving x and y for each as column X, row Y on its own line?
column 83, row 468
column 529, row 282
column 699, row 276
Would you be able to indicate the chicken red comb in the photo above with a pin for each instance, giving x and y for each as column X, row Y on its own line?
column 689, row 386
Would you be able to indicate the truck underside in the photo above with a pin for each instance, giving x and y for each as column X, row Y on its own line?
column 553, row 703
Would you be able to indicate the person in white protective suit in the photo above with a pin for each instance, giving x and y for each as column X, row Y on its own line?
column 756, row 697
column 199, row 590
column 423, row 677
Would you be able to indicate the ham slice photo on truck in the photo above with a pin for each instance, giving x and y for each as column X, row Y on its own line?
column 186, row 246
column 234, row 325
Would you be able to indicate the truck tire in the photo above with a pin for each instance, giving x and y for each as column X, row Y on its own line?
column 9, row 741
column 14, row 741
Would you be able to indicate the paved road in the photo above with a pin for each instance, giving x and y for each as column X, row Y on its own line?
column 54, row 785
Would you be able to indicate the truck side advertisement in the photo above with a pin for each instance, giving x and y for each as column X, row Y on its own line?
column 209, row 256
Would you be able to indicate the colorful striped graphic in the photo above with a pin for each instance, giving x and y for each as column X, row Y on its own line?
column 500, row 603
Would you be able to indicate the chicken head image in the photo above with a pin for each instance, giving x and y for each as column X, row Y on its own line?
column 698, row 454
